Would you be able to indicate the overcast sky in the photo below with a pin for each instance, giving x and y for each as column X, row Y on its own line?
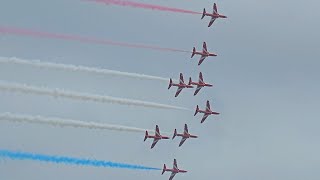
column 266, row 86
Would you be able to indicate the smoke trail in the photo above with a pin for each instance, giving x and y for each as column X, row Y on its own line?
column 66, row 123
column 15, row 155
column 74, row 68
column 32, row 33
column 144, row 6
column 14, row 87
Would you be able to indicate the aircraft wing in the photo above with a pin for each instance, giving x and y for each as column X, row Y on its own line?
column 201, row 59
column 178, row 91
column 208, row 106
column 157, row 131
column 204, row 117
column 182, row 141
column 186, row 128
column 172, row 175
column 200, row 77
column 175, row 165
column 211, row 21
column 181, row 79
column 197, row 90
column 154, row 143
column 215, row 9
column 204, row 47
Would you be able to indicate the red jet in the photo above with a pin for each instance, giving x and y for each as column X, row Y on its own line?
column 156, row 137
column 215, row 15
column 180, row 86
column 207, row 112
column 173, row 171
column 184, row 136
column 203, row 54
column 199, row 84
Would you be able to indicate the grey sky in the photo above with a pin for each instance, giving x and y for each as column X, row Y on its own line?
column 266, row 86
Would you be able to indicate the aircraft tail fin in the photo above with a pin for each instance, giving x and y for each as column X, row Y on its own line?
column 146, row 136
column 204, row 13
column 164, row 168
column 170, row 83
column 174, row 134
column 197, row 110
column 193, row 52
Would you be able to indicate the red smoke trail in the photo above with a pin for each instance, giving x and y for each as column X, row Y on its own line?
column 27, row 32
column 145, row 6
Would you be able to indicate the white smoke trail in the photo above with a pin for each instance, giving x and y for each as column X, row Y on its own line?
column 74, row 68
column 15, row 87
column 66, row 122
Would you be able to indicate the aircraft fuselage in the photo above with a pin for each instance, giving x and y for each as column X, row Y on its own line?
column 183, row 85
column 187, row 135
column 208, row 112
column 201, row 84
column 215, row 15
column 158, row 137
column 176, row 170
column 206, row 54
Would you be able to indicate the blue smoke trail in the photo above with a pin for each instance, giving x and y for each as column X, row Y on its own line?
column 68, row 160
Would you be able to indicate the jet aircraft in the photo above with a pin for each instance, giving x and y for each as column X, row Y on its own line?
column 215, row 15
column 184, row 136
column 174, row 170
column 204, row 54
column 206, row 112
column 199, row 84
column 181, row 85
column 156, row 137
